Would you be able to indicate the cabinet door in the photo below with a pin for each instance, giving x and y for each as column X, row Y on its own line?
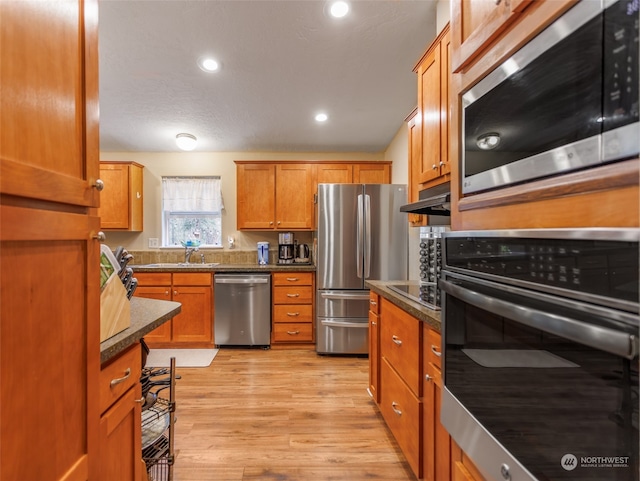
column 477, row 23
column 195, row 321
column 120, row 439
column 429, row 110
column 415, row 161
column 294, row 196
column 256, row 196
column 121, row 198
column 334, row 174
column 437, row 442
column 374, row 347
column 445, row 105
column 161, row 333
column 50, row 316
column 371, row 174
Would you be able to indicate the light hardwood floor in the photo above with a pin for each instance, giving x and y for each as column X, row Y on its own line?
column 282, row 415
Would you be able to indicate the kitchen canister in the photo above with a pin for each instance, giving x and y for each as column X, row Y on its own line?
column 263, row 253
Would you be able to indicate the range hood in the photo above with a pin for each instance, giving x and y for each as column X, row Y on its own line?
column 433, row 201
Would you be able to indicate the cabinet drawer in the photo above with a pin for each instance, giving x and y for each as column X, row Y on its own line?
column 293, row 332
column 117, row 377
column 293, row 313
column 433, row 348
column 402, row 411
column 153, row 278
column 374, row 302
column 191, row 279
column 292, row 278
column 401, row 344
column 293, row 295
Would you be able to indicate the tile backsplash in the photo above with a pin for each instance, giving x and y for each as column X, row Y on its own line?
column 210, row 255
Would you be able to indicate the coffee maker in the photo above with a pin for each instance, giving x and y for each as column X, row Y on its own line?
column 286, row 251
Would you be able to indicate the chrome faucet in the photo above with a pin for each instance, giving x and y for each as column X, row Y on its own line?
column 187, row 253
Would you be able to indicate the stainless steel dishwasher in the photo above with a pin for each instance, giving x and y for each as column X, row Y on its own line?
column 242, row 309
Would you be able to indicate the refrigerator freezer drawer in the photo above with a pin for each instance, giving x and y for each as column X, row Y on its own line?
column 342, row 336
column 343, row 303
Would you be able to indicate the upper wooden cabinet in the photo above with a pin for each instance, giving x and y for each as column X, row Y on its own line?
column 281, row 195
column 275, row 196
column 121, row 198
column 477, row 23
column 429, row 128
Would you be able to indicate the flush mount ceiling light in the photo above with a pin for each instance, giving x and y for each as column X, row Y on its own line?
column 186, row 141
column 208, row 64
column 339, row 9
column 321, row 117
column 488, row 141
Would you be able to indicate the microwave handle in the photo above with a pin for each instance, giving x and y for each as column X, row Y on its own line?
column 609, row 340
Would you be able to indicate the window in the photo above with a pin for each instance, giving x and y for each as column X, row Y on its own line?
column 192, row 210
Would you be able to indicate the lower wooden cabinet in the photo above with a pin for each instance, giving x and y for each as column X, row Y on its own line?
column 374, row 346
column 293, row 313
column 120, row 434
column 193, row 327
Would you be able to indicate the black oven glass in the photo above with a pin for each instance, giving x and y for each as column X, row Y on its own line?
column 540, row 348
column 543, row 397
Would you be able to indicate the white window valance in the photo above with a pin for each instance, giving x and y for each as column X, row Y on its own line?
column 192, row 194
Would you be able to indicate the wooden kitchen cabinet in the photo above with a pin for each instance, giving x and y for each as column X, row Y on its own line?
column 374, row 346
column 462, row 469
column 120, row 421
column 477, row 23
column 50, row 315
column 436, row 456
column 275, row 196
column 193, row 327
column 429, row 147
column 334, row 174
column 293, row 309
column 401, row 380
column 372, row 173
column 415, row 161
column 121, row 198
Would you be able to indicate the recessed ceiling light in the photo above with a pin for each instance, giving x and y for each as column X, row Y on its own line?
column 321, row 117
column 186, row 141
column 208, row 64
column 339, row 9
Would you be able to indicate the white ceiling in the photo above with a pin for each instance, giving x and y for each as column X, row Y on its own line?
column 282, row 61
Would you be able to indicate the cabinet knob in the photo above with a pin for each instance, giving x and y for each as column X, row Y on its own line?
column 99, row 185
column 441, row 163
column 166, row 293
column 100, row 236
column 270, row 222
column 175, row 293
column 374, row 323
column 434, row 167
column 278, row 222
column 428, row 378
column 141, row 400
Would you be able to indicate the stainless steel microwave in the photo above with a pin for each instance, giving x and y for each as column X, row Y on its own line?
column 565, row 101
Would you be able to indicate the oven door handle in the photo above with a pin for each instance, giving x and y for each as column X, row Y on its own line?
column 598, row 337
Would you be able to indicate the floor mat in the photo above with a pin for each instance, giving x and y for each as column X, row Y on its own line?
column 184, row 357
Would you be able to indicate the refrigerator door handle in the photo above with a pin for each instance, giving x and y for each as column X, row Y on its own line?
column 358, row 324
column 345, row 296
column 360, row 236
column 367, row 236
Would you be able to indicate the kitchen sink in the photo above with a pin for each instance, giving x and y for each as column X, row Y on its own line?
column 168, row 265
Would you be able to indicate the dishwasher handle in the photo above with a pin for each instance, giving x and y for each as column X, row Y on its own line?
column 241, row 280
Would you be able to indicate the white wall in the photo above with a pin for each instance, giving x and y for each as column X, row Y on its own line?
column 159, row 164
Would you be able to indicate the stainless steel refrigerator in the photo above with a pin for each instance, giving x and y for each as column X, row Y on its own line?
column 362, row 235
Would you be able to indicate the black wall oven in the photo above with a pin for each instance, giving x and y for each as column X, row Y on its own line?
column 565, row 101
column 540, row 352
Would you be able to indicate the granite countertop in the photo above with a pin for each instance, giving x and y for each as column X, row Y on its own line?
column 195, row 267
column 417, row 310
column 146, row 315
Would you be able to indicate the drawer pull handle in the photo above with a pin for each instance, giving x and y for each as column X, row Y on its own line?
column 292, row 279
column 117, row 381
column 434, row 349
column 293, row 314
column 373, row 303
column 141, row 400
column 293, row 333
column 396, row 340
column 395, row 410
column 293, row 295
